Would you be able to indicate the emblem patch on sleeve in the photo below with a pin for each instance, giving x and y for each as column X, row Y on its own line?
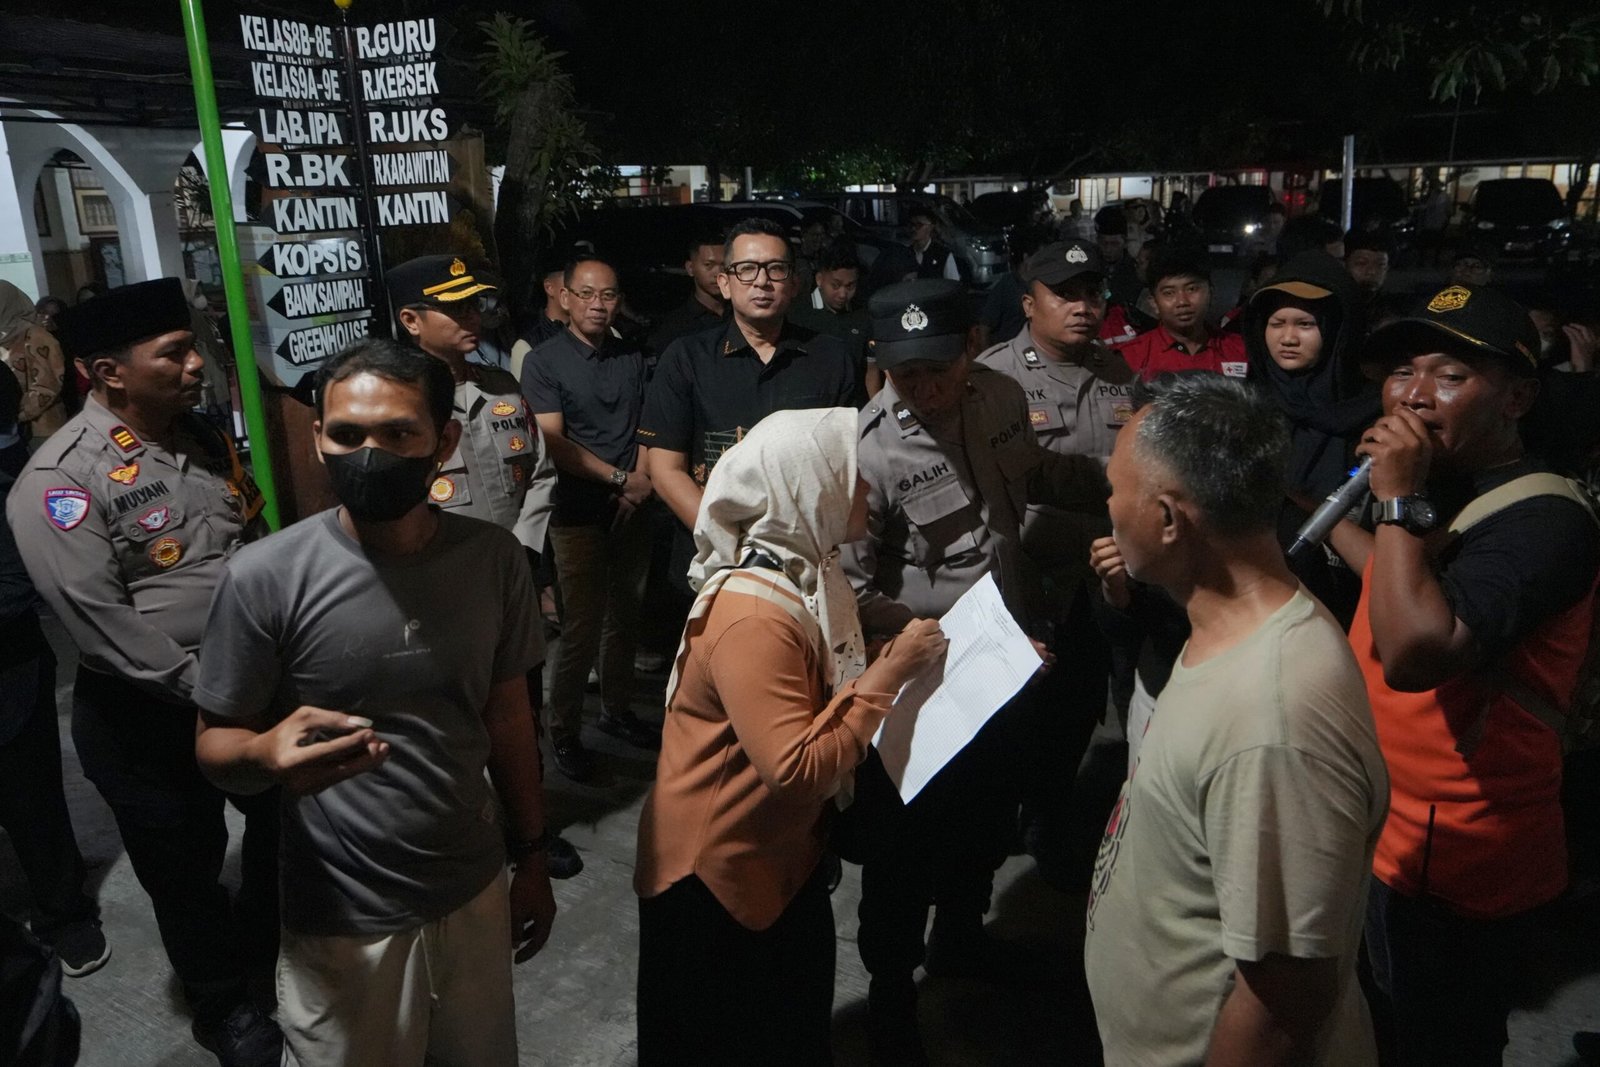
column 66, row 507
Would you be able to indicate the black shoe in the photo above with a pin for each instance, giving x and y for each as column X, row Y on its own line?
column 627, row 726
column 81, row 947
column 561, row 860
column 893, row 1037
column 242, row 1038
column 573, row 760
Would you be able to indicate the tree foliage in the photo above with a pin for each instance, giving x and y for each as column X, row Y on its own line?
column 1470, row 47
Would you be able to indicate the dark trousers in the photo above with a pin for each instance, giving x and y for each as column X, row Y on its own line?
column 1444, row 983
column 713, row 992
column 941, row 849
column 33, row 806
column 138, row 750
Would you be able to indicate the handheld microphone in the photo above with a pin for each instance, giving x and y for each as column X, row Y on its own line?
column 1326, row 517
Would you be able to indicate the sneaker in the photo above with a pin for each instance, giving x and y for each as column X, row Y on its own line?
column 81, row 947
column 573, row 760
column 627, row 726
column 242, row 1038
column 561, row 860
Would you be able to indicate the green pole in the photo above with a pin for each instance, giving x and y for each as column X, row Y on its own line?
column 205, row 103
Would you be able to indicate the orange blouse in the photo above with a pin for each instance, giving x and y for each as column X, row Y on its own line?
column 751, row 754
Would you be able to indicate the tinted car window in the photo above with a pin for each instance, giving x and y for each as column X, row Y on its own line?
column 1517, row 200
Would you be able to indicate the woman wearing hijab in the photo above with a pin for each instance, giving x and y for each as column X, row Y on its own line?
column 770, row 707
column 1302, row 333
column 35, row 358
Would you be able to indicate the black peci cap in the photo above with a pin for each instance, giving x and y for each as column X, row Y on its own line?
column 126, row 314
column 1063, row 261
column 923, row 319
column 437, row 280
column 1476, row 320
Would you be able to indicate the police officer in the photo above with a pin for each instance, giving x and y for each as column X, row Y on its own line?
column 125, row 518
column 951, row 464
column 1079, row 394
column 501, row 471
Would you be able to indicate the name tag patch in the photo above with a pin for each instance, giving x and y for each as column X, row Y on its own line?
column 66, row 507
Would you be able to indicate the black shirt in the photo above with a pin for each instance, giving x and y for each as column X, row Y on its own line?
column 690, row 317
column 1509, row 574
column 711, row 387
column 599, row 395
column 542, row 330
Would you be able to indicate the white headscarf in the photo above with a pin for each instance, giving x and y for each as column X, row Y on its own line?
column 786, row 489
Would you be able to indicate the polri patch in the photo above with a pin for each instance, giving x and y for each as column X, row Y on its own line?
column 165, row 552
column 124, row 439
column 126, row 475
column 66, row 507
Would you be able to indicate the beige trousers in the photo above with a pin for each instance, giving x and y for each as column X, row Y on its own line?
column 439, row 994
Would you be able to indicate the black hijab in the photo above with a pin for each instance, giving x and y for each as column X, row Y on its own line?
column 1328, row 404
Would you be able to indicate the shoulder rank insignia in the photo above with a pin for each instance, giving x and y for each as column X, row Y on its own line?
column 66, row 507
column 1030, row 357
column 904, row 417
column 126, row 475
column 503, row 408
column 124, row 439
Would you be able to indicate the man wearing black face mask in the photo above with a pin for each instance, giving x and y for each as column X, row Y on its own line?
column 342, row 662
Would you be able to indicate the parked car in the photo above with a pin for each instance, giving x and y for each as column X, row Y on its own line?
column 980, row 248
column 1377, row 203
column 1232, row 219
column 1519, row 217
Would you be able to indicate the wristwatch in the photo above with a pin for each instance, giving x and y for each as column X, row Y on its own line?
column 619, row 478
column 1413, row 514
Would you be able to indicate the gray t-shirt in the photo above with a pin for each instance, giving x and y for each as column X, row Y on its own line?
column 413, row 643
column 1246, row 828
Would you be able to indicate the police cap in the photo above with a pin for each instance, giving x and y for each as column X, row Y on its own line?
column 1476, row 320
column 126, row 314
column 1063, row 261
column 440, row 281
column 922, row 319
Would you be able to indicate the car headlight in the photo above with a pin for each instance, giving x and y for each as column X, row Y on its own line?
column 1251, row 227
column 1485, row 225
column 1558, row 224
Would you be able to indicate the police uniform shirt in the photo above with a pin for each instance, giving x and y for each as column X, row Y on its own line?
column 944, row 513
column 126, row 540
column 501, row 471
column 711, row 387
column 1074, row 408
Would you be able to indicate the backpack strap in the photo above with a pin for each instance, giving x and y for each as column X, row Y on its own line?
column 1501, row 681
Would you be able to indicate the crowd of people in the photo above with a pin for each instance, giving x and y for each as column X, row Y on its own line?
column 1344, row 801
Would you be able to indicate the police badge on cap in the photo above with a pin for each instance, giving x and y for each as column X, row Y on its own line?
column 925, row 319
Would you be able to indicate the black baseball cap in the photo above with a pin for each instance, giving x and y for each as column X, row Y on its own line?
column 1477, row 320
column 442, row 281
column 923, row 319
column 1063, row 261
column 122, row 316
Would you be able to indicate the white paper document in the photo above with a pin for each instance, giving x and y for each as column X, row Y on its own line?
column 939, row 713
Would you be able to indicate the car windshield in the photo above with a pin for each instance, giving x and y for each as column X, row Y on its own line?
column 1518, row 200
column 1223, row 202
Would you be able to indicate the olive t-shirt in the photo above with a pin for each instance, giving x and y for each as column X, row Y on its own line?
column 413, row 643
column 1246, row 828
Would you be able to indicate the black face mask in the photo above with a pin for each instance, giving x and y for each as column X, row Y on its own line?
column 379, row 486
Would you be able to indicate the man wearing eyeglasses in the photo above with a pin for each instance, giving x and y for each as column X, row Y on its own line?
column 711, row 387
column 585, row 388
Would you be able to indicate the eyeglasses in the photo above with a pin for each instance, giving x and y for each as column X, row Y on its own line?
column 589, row 296
column 778, row 270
